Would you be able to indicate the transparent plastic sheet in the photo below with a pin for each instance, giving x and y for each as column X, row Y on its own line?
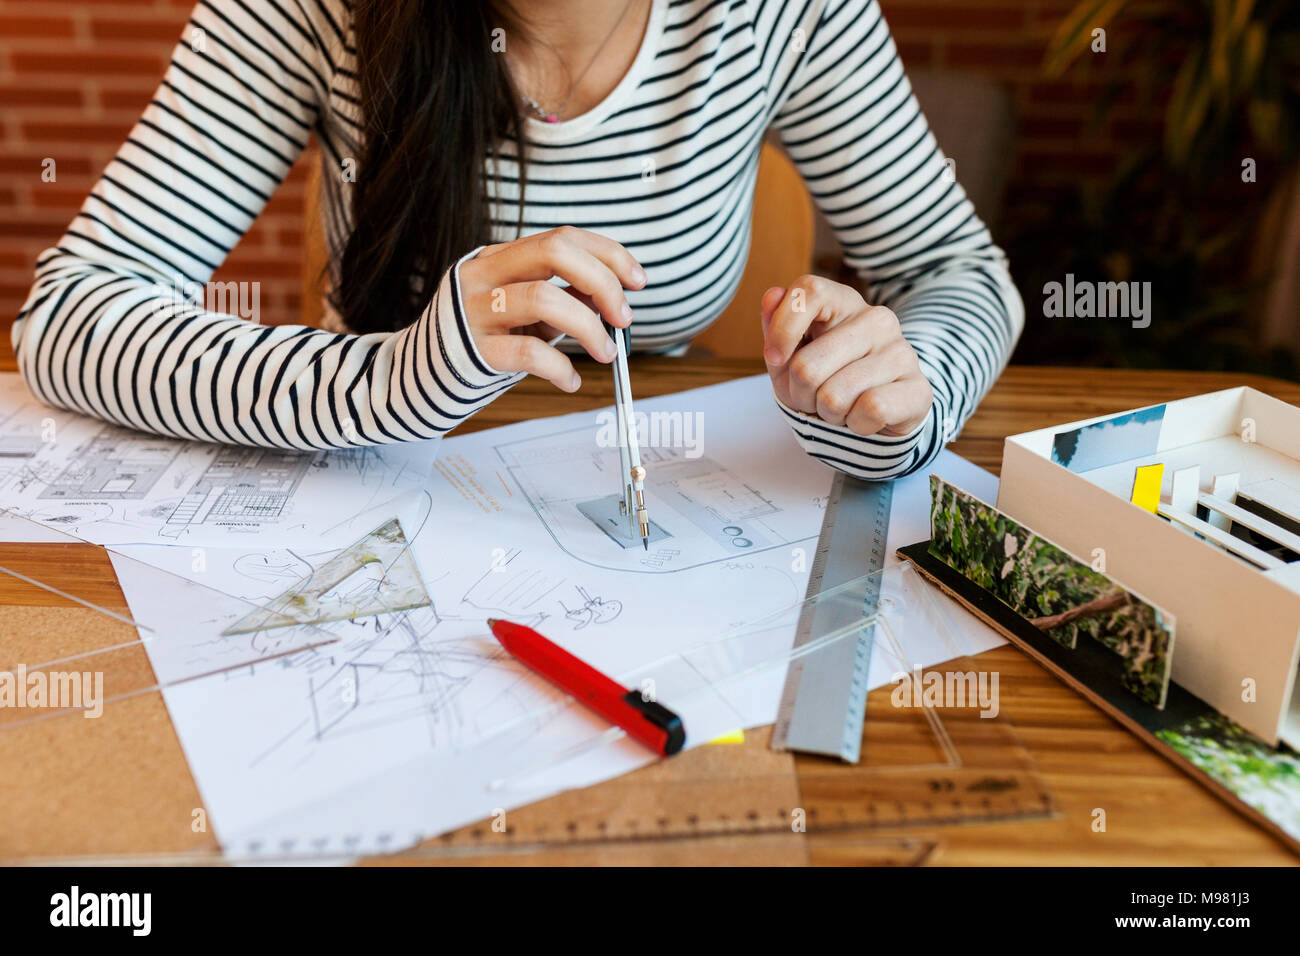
column 69, row 645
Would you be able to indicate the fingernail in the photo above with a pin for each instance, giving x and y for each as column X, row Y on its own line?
column 772, row 356
column 610, row 350
column 575, row 383
column 638, row 276
column 627, row 311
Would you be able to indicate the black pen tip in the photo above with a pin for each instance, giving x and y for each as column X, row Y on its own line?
column 645, row 543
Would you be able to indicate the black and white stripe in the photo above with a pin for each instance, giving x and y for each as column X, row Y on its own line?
column 666, row 165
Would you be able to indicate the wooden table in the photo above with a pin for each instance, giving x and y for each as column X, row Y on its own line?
column 1154, row 814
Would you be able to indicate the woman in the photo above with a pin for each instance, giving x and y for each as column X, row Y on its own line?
column 640, row 123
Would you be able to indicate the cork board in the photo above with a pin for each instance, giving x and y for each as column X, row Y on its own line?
column 113, row 784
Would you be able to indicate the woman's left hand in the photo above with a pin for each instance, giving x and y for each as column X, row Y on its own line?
column 832, row 355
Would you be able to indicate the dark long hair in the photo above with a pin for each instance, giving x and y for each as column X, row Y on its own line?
column 436, row 102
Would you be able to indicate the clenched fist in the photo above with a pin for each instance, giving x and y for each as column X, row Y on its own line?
column 832, row 355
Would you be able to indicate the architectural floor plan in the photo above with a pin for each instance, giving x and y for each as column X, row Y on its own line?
column 113, row 485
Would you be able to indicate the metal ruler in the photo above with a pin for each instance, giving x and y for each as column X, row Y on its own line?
column 824, row 701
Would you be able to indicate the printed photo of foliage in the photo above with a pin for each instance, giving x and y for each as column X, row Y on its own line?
column 1266, row 778
column 1053, row 590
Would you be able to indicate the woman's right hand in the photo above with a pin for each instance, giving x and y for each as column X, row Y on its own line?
column 514, row 310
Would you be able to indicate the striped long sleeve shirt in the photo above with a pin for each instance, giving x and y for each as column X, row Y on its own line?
column 666, row 164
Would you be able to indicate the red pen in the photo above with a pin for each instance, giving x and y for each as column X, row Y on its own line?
column 644, row 720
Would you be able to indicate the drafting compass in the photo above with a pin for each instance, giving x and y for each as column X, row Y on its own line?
column 632, row 472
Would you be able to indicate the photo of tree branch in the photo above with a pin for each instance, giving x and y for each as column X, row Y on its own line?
column 1050, row 588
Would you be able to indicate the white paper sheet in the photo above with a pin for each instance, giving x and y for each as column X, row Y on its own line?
column 398, row 731
column 507, row 528
column 112, row 485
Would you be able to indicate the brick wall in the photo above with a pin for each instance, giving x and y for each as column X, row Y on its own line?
column 74, row 76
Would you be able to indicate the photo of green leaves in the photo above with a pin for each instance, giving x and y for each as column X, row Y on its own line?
column 1052, row 589
column 1267, row 778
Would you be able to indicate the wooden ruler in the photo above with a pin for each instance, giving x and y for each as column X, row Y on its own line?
column 907, row 780
column 719, row 803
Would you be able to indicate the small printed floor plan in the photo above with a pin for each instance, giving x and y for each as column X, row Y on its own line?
column 243, row 483
column 111, row 484
column 116, row 464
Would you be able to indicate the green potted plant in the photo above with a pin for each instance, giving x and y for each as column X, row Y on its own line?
column 1207, row 214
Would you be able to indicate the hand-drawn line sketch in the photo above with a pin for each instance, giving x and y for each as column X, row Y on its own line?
column 394, row 664
column 592, row 610
column 70, row 514
column 387, row 668
column 513, row 588
column 702, row 511
column 21, row 473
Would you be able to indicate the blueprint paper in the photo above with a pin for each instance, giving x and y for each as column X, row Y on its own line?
column 112, row 485
column 398, row 731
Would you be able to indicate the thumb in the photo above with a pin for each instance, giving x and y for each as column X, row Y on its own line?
column 771, row 299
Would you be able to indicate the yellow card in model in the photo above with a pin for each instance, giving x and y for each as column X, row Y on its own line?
column 1146, row 487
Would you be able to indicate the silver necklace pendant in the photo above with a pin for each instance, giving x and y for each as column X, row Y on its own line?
column 536, row 109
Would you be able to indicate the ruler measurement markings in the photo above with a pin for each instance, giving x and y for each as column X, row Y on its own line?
column 823, row 702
